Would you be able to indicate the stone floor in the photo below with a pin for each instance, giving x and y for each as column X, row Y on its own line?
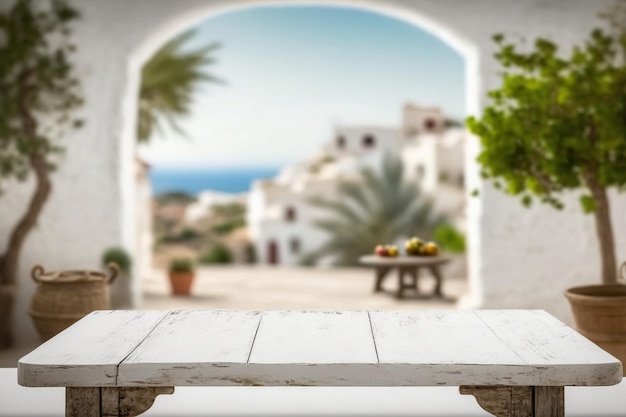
column 268, row 288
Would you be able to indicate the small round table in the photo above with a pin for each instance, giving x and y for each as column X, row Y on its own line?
column 406, row 265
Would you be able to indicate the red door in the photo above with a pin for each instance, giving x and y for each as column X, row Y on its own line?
column 272, row 252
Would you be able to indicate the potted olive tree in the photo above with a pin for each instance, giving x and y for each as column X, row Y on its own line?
column 181, row 275
column 557, row 123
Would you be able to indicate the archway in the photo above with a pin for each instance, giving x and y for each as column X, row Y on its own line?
column 177, row 23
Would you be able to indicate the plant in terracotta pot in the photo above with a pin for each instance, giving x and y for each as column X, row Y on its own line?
column 181, row 275
column 557, row 123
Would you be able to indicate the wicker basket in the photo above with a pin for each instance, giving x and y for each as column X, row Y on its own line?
column 64, row 297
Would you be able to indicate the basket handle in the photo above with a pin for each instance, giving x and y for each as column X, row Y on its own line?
column 36, row 272
column 114, row 270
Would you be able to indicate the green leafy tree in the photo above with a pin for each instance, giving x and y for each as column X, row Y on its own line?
column 168, row 81
column 38, row 93
column 559, row 123
column 381, row 208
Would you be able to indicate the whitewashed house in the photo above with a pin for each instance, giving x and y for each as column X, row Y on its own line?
column 280, row 219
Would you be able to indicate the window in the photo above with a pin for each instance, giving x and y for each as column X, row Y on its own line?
column 369, row 141
column 341, row 142
column 294, row 245
column 430, row 124
column 290, row 214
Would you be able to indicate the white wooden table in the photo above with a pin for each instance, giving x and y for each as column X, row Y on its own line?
column 515, row 363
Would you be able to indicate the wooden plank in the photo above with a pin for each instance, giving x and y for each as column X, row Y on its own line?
column 313, row 348
column 314, row 338
column 89, row 351
column 458, row 348
column 521, row 401
column 82, row 402
column 557, row 352
column 549, row 402
column 290, row 348
column 191, row 348
column 110, row 402
column 437, row 337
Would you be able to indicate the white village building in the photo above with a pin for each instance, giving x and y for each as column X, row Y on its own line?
column 280, row 219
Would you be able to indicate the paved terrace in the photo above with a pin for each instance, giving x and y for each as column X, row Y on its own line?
column 278, row 288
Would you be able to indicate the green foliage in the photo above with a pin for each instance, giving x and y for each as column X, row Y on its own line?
column 557, row 122
column 381, row 209
column 449, row 238
column 229, row 209
column 181, row 265
column 217, row 254
column 174, row 197
column 228, row 226
column 39, row 87
column 119, row 256
column 183, row 236
column 232, row 216
column 168, row 81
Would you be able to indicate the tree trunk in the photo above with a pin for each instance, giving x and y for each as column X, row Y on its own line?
column 10, row 260
column 604, row 230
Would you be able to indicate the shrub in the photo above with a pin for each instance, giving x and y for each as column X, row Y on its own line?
column 449, row 238
column 228, row 226
column 118, row 256
column 217, row 254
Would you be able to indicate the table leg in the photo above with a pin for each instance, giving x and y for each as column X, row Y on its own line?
column 519, row 401
column 381, row 274
column 434, row 270
column 110, row 401
column 402, row 272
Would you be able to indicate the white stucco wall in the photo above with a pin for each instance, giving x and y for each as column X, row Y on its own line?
column 518, row 258
column 384, row 140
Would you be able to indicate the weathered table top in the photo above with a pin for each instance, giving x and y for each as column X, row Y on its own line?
column 375, row 260
column 346, row 348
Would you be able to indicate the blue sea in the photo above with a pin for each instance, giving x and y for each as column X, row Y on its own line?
column 192, row 181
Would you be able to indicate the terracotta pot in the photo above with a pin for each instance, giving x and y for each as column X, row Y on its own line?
column 600, row 315
column 181, row 282
column 64, row 297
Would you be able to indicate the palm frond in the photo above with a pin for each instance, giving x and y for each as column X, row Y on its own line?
column 168, row 82
column 381, row 209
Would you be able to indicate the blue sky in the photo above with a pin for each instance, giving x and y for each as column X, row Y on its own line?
column 292, row 73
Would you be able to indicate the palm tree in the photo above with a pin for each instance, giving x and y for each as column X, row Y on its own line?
column 379, row 209
column 168, row 81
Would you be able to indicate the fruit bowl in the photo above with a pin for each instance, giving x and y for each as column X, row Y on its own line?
column 386, row 251
column 417, row 247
